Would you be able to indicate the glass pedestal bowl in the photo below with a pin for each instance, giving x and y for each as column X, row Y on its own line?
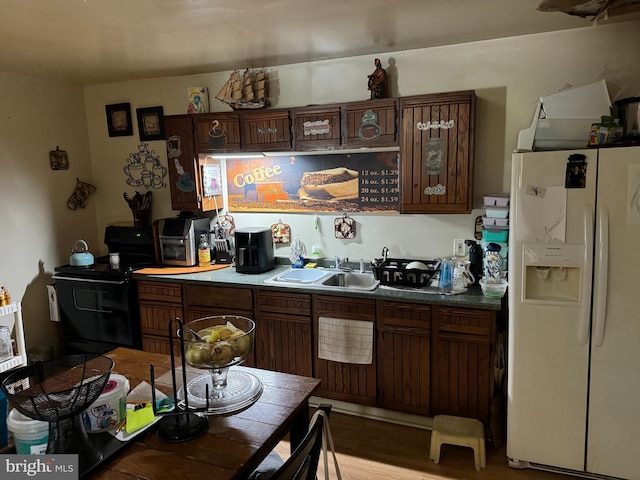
column 216, row 344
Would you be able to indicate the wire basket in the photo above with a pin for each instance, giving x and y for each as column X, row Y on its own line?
column 58, row 391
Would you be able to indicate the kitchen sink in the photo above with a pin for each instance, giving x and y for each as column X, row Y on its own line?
column 301, row 275
column 352, row 280
column 325, row 278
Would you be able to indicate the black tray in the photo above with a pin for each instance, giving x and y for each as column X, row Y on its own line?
column 394, row 272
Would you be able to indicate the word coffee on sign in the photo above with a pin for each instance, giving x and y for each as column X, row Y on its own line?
column 258, row 174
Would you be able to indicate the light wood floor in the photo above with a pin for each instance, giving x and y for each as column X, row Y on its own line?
column 369, row 449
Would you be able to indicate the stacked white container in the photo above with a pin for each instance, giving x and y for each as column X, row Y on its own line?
column 495, row 225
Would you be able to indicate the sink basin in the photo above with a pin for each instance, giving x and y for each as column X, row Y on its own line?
column 301, row 275
column 320, row 278
column 352, row 280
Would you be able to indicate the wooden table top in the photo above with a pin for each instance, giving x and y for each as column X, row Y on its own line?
column 234, row 445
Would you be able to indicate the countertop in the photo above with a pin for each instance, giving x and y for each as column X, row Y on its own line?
column 473, row 298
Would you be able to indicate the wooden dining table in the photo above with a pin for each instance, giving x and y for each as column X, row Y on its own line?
column 234, row 445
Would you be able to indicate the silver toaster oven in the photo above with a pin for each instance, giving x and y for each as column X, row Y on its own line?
column 178, row 239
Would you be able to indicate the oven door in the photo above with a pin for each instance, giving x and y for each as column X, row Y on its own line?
column 177, row 251
column 98, row 315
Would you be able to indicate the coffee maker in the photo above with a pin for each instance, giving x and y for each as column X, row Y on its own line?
column 255, row 252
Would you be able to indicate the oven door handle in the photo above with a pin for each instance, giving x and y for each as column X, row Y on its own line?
column 89, row 280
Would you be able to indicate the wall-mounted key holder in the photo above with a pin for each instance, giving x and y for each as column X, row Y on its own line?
column 344, row 227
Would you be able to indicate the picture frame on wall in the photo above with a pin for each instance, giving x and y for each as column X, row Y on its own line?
column 150, row 123
column 119, row 119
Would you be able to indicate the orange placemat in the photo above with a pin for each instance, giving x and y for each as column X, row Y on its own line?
column 179, row 270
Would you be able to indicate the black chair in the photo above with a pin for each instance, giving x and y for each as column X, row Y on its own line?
column 303, row 462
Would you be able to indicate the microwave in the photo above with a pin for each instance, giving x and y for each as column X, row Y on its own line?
column 178, row 239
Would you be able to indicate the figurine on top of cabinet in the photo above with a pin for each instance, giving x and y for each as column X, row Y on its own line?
column 378, row 81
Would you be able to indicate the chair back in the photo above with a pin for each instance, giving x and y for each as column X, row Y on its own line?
column 303, row 462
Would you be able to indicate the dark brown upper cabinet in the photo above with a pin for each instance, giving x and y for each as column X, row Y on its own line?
column 436, row 152
column 182, row 162
column 184, row 166
column 367, row 124
column 317, row 128
column 372, row 123
column 266, row 131
column 218, row 132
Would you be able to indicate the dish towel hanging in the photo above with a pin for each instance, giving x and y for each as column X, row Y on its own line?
column 346, row 341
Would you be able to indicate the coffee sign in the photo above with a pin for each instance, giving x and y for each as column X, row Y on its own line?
column 360, row 182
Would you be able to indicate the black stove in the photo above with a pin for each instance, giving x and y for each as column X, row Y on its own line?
column 135, row 247
column 102, row 269
column 98, row 303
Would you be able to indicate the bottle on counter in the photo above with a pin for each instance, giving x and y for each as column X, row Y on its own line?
column 446, row 274
column 204, row 252
column 476, row 257
column 493, row 263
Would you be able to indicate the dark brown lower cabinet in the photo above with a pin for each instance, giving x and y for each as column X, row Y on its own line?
column 206, row 301
column 404, row 366
column 159, row 304
column 346, row 382
column 283, row 337
column 427, row 359
column 462, row 366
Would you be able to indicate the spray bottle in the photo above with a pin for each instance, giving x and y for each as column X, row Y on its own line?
column 476, row 259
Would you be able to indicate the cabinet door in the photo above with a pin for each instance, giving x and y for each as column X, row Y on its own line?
column 404, row 372
column 159, row 303
column 436, row 153
column 373, row 123
column 228, row 298
column 284, row 332
column 463, row 373
column 184, row 178
column 347, row 382
column 217, row 132
column 284, row 343
column 317, row 128
column 206, row 300
column 266, row 131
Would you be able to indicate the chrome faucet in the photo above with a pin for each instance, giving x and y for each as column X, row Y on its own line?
column 340, row 263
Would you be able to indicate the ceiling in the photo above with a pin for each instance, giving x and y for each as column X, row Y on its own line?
column 102, row 41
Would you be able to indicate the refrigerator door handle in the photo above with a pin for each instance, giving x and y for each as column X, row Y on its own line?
column 600, row 281
column 585, row 319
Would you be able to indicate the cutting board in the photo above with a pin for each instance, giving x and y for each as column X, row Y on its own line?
column 179, row 270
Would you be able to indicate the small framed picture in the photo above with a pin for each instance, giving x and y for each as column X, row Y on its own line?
column 119, row 119
column 150, row 123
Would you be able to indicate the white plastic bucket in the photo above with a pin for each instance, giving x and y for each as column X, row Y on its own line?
column 29, row 436
column 110, row 409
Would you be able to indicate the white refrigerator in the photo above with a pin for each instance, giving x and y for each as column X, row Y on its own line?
column 574, row 312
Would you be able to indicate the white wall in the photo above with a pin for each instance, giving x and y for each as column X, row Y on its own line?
column 508, row 76
column 37, row 229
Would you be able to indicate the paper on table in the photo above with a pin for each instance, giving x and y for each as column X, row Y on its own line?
column 346, row 341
